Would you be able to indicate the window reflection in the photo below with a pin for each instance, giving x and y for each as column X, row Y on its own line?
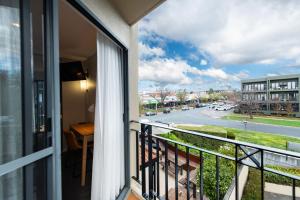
column 10, row 82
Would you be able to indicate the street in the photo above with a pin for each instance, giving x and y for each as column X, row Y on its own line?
column 206, row 116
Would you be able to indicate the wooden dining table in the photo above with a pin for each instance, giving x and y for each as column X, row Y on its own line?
column 86, row 131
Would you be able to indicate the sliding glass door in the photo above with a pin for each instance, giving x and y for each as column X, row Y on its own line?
column 26, row 147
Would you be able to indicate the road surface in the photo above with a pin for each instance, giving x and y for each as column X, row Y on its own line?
column 206, row 116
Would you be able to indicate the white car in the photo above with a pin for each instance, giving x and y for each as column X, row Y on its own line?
column 185, row 108
column 220, row 108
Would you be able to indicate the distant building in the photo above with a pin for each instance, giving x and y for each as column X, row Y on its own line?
column 274, row 94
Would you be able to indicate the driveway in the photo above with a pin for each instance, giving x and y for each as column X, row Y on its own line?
column 205, row 116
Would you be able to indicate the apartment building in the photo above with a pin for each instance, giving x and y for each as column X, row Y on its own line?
column 272, row 95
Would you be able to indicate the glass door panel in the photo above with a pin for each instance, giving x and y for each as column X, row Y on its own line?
column 10, row 82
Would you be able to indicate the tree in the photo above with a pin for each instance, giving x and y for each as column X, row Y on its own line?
column 141, row 107
column 249, row 105
column 181, row 96
column 163, row 93
column 277, row 106
column 289, row 108
column 210, row 91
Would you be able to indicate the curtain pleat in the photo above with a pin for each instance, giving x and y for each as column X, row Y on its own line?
column 108, row 163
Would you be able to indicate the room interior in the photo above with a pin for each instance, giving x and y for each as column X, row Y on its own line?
column 78, row 65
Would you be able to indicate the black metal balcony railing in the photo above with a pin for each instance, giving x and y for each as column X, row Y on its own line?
column 149, row 151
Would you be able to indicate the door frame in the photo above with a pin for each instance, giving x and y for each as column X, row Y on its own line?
column 52, row 153
column 91, row 17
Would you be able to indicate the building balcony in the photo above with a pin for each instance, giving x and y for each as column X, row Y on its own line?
column 254, row 91
column 169, row 169
column 283, row 89
column 291, row 100
column 254, row 101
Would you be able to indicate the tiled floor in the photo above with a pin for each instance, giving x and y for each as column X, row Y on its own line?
column 132, row 197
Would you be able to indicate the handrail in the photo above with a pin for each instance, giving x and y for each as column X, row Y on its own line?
column 256, row 146
column 145, row 138
column 220, row 155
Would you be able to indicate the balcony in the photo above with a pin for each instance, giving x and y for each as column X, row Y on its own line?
column 281, row 89
column 169, row 169
column 254, row 91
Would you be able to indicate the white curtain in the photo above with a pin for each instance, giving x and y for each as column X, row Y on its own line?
column 108, row 162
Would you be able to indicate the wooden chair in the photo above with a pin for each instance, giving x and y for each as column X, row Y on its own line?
column 72, row 142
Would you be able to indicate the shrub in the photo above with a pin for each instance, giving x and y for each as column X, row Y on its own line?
column 230, row 134
column 226, row 172
column 211, row 130
column 252, row 187
column 202, row 142
column 226, row 169
column 283, row 180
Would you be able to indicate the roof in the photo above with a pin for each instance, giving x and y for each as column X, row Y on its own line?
column 281, row 77
column 133, row 10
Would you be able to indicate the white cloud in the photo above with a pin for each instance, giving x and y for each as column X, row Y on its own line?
column 271, row 74
column 165, row 71
column 146, row 52
column 177, row 71
column 232, row 31
column 203, row 62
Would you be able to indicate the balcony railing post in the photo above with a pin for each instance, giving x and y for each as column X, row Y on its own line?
column 137, row 147
column 157, row 168
column 143, row 133
column 176, row 172
column 294, row 189
column 236, row 174
column 188, row 172
column 150, row 162
column 217, row 179
column 262, row 175
column 201, row 175
column 166, row 171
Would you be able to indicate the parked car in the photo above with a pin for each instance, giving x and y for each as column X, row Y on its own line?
column 184, row 108
column 150, row 113
column 200, row 105
column 211, row 106
column 166, row 110
column 220, row 108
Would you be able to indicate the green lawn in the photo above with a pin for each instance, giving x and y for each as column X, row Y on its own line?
column 282, row 121
column 266, row 139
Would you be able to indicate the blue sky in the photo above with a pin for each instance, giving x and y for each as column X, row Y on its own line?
column 201, row 44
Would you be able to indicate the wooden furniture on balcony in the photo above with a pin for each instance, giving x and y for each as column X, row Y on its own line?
column 84, row 130
column 193, row 181
column 182, row 194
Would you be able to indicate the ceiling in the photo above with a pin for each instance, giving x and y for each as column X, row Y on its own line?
column 77, row 37
column 133, row 10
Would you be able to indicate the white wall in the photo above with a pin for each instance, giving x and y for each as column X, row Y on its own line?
column 91, row 65
column 73, row 103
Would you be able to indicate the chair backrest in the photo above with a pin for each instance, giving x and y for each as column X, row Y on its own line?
column 72, row 142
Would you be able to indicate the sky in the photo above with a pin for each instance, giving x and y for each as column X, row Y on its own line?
column 200, row 44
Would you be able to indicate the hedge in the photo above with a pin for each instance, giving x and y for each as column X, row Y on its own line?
column 282, row 180
column 226, row 172
column 226, row 167
column 252, row 187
